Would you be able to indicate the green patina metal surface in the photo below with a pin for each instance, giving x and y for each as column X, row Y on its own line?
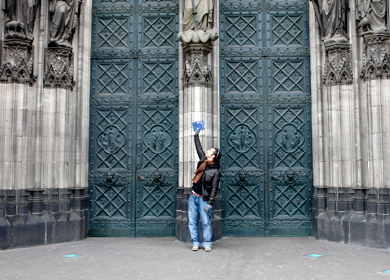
column 266, row 185
column 265, row 118
column 134, row 118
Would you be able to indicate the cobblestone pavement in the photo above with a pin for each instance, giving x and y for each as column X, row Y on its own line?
column 168, row 258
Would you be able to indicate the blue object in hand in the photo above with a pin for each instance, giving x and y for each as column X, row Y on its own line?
column 198, row 125
column 208, row 207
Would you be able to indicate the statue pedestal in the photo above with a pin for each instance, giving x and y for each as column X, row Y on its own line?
column 59, row 66
column 197, row 72
column 17, row 62
column 337, row 68
column 376, row 61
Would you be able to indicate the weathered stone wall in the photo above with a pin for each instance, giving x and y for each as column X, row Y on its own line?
column 350, row 111
column 44, row 119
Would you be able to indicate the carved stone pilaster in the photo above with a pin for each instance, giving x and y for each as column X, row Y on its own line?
column 376, row 58
column 337, row 68
column 59, row 67
column 17, row 61
column 196, row 70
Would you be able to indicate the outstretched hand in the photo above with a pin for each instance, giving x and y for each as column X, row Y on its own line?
column 197, row 131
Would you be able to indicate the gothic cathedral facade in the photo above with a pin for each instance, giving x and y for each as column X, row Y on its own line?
column 98, row 99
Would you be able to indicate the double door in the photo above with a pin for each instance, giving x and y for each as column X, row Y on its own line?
column 266, row 181
column 133, row 161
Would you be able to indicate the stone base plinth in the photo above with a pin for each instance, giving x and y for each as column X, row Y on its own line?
column 37, row 216
column 352, row 216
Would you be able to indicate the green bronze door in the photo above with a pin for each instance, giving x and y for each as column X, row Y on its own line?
column 266, row 181
column 134, row 118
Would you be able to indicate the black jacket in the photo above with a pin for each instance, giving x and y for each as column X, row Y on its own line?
column 211, row 177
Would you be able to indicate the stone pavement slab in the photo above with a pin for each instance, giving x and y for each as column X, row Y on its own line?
column 168, row 258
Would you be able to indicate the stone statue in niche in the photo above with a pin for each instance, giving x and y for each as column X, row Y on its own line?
column 21, row 17
column 333, row 18
column 371, row 14
column 17, row 52
column 198, row 22
column 63, row 21
column 198, row 14
column 196, row 38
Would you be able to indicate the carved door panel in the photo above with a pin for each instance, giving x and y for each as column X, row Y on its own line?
column 265, row 114
column 134, row 118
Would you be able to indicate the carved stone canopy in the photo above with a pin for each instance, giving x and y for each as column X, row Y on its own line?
column 17, row 61
column 59, row 67
column 197, row 71
column 338, row 67
column 376, row 55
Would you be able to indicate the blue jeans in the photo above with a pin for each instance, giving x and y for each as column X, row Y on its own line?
column 196, row 209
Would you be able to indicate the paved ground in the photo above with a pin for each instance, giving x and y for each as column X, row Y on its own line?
column 167, row 258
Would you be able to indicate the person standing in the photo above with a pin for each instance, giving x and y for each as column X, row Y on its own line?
column 204, row 190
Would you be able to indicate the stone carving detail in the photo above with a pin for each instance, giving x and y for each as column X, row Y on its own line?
column 59, row 67
column 59, row 55
column 371, row 14
column 376, row 58
column 63, row 21
column 198, row 14
column 21, row 16
column 17, row 66
column 198, row 36
column 196, row 70
column 332, row 18
column 337, row 68
column 17, row 58
column 196, row 39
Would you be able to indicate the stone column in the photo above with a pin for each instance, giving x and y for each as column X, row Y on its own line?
column 334, row 136
column 375, row 112
column 198, row 102
column 44, row 118
column 351, row 109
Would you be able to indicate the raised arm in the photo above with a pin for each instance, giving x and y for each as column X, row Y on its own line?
column 198, row 146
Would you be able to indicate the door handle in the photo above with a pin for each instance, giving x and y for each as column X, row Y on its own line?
column 140, row 177
column 275, row 177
